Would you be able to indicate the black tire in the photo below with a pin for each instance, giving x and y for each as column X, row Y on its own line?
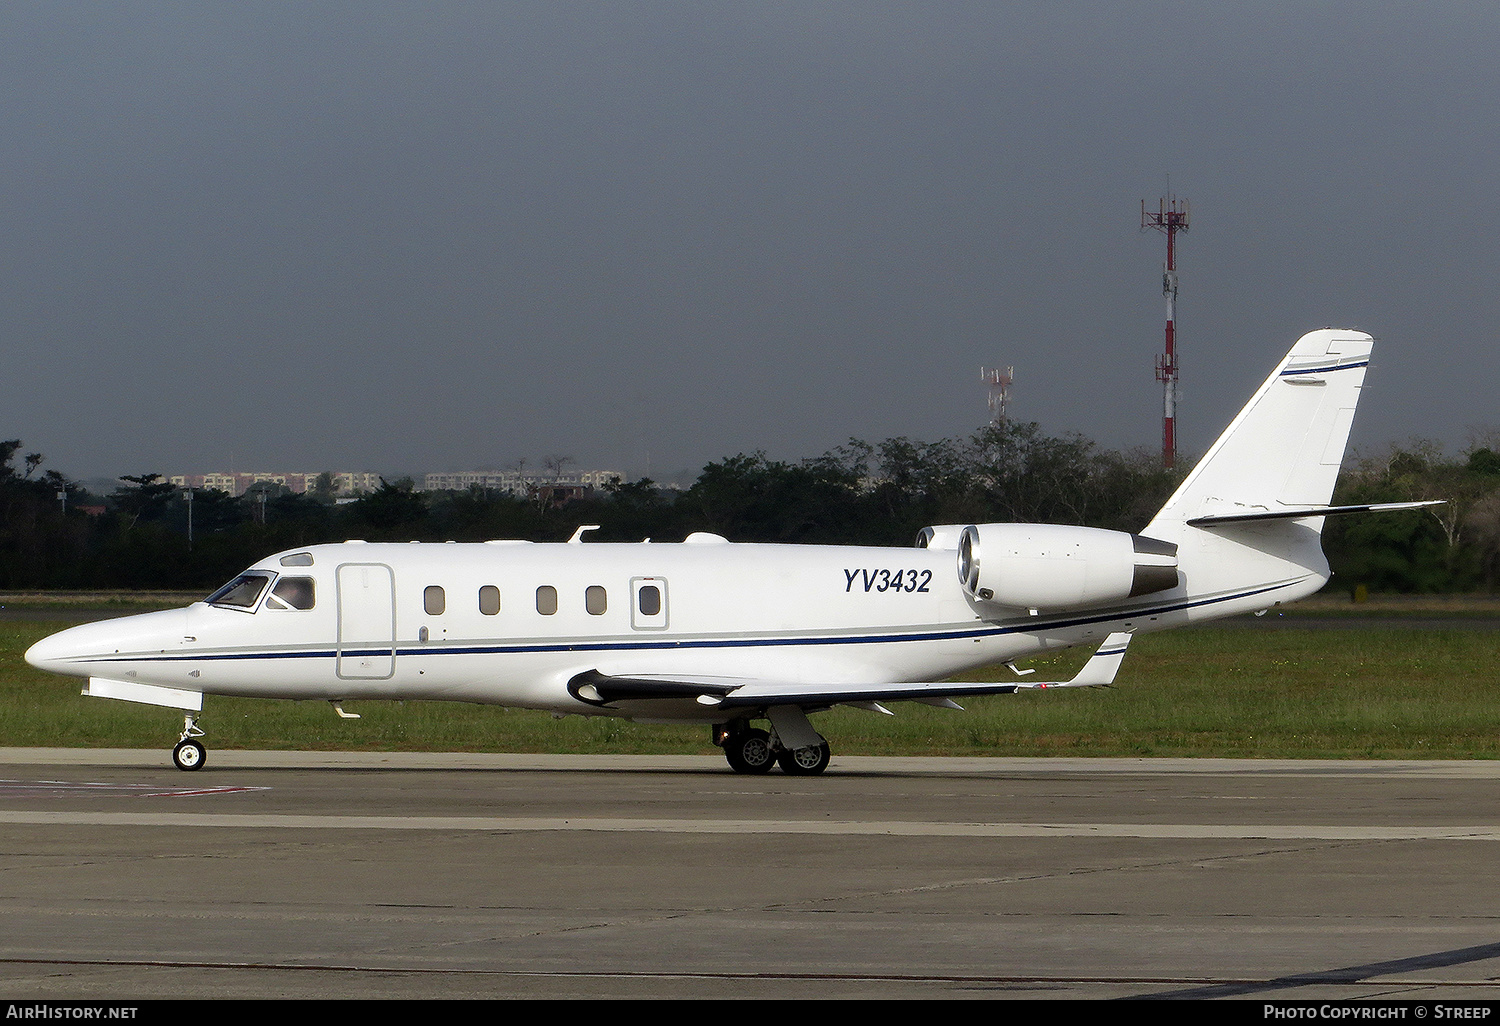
column 749, row 751
column 805, row 762
column 189, row 755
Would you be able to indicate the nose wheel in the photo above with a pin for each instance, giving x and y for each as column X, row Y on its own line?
column 189, row 753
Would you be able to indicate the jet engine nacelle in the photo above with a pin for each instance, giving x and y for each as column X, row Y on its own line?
column 1051, row 566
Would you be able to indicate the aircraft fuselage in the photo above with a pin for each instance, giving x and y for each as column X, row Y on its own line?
column 513, row 623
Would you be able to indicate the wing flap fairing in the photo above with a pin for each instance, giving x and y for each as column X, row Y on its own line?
column 598, row 688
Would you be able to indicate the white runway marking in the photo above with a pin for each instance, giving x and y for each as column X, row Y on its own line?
column 74, row 788
column 892, row 828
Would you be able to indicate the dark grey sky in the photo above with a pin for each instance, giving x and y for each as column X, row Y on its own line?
column 408, row 237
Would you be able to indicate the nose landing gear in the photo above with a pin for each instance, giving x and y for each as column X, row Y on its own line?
column 189, row 754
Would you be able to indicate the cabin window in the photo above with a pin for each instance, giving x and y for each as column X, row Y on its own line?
column 489, row 600
column 433, row 601
column 595, row 601
column 650, row 599
column 546, row 600
column 240, row 593
column 292, row 593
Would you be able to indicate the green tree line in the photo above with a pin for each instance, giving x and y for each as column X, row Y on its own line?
column 149, row 534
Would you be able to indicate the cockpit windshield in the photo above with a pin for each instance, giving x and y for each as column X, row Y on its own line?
column 242, row 592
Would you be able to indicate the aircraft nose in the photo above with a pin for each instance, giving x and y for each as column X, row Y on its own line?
column 53, row 652
column 77, row 649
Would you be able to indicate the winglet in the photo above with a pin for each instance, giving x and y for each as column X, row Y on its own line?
column 1099, row 671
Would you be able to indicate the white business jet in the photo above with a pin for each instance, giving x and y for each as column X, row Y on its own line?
column 730, row 634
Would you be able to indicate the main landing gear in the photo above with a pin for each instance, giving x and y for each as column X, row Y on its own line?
column 189, row 753
column 752, row 750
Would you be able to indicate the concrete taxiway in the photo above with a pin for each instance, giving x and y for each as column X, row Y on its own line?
column 281, row 874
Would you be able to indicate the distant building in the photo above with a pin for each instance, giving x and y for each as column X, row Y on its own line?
column 599, row 478
column 510, row 481
column 346, row 484
column 236, row 483
column 513, row 482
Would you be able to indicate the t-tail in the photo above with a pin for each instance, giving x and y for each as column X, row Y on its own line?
column 1247, row 521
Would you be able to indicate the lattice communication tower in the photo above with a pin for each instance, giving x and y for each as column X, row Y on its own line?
column 1170, row 217
column 999, row 382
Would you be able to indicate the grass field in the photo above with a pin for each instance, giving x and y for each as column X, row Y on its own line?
column 1272, row 691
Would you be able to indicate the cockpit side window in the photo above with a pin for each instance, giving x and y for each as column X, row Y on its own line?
column 242, row 592
column 292, row 593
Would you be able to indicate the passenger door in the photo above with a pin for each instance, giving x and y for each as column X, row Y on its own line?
column 367, row 621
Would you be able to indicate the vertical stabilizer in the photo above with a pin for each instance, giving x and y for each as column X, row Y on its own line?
column 1284, row 449
column 1245, row 520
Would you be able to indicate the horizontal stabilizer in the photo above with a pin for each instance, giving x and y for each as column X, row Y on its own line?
column 601, row 689
column 1310, row 511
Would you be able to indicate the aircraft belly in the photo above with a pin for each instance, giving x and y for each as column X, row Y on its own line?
column 266, row 676
column 527, row 672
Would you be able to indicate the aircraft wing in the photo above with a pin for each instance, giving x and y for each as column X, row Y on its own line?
column 730, row 693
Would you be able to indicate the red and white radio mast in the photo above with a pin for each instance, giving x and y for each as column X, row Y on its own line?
column 1170, row 217
column 999, row 382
